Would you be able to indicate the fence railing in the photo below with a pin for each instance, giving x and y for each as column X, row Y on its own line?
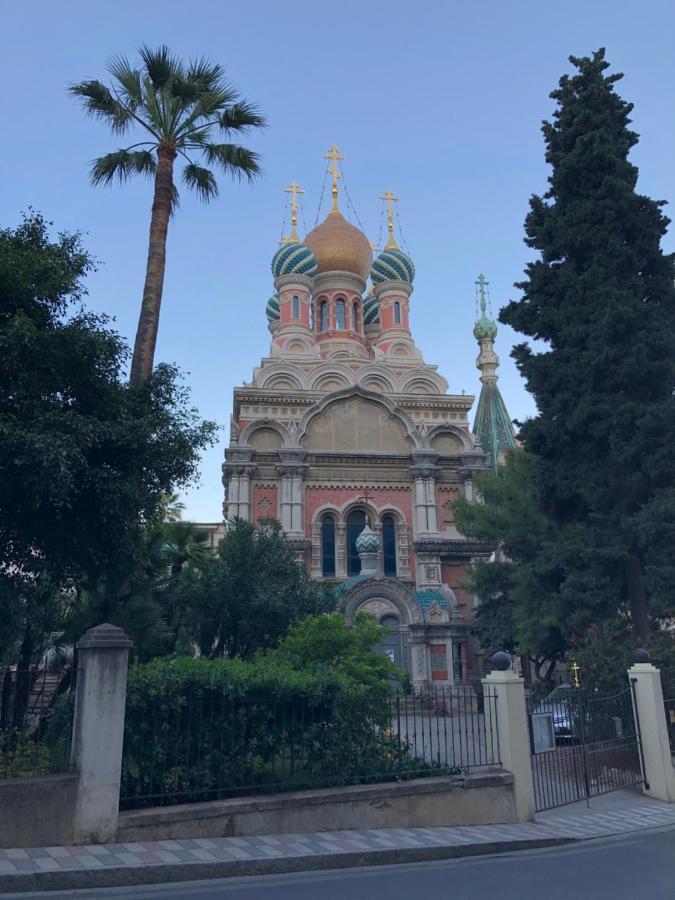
column 225, row 747
column 670, row 721
column 36, row 721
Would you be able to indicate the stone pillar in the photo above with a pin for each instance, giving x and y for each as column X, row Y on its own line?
column 98, row 731
column 286, row 501
column 432, row 516
column 233, row 497
column 315, row 570
column 245, row 493
column 421, row 524
column 296, row 503
column 424, row 472
column 506, row 728
column 341, row 550
column 650, row 713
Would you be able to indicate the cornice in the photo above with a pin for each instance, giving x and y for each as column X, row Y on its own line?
column 453, row 547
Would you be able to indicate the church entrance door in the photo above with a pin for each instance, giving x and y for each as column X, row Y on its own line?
column 392, row 644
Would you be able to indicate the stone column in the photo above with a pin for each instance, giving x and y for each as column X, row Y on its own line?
column 296, row 502
column 98, row 731
column 286, row 500
column 506, row 728
column 341, row 550
column 424, row 472
column 421, row 523
column 316, row 551
column 245, row 493
column 233, row 497
column 650, row 713
column 432, row 516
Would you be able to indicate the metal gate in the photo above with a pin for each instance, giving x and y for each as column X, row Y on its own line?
column 584, row 743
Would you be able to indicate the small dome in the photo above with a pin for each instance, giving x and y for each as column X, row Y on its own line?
column 339, row 246
column 294, row 259
column 392, row 265
column 371, row 310
column 272, row 309
column 485, row 329
column 367, row 541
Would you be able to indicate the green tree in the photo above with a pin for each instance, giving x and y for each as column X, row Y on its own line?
column 601, row 299
column 85, row 459
column 180, row 110
column 245, row 598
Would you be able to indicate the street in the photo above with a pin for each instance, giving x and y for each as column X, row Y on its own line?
column 642, row 865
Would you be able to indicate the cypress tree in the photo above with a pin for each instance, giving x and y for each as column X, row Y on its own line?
column 600, row 297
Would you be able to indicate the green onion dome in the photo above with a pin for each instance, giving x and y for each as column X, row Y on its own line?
column 371, row 310
column 485, row 329
column 392, row 265
column 294, row 259
column 367, row 541
column 272, row 309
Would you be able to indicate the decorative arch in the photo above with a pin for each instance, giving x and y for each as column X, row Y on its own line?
column 411, row 435
column 400, row 597
column 463, row 437
column 274, row 372
column 376, row 373
column 266, row 425
column 432, row 382
column 334, row 370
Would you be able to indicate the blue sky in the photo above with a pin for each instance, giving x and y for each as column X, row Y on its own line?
column 439, row 101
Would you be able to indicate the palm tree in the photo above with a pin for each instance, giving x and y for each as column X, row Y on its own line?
column 179, row 109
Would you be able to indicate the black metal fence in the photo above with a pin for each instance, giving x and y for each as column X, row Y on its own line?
column 36, row 721
column 227, row 747
column 584, row 743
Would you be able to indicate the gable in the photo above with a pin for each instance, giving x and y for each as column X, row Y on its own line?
column 356, row 425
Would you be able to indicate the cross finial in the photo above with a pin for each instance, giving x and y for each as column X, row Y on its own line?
column 575, row 667
column 293, row 189
column 482, row 283
column 366, row 497
column 390, row 199
column 334, row 155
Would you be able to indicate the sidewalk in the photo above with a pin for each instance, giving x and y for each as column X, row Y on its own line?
column 69, row 868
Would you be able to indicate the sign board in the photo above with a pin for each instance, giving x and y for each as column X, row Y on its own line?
column 543, row 734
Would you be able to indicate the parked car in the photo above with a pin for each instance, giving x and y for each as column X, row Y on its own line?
column 559, row 703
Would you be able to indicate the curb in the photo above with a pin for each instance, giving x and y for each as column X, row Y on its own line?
column 123, row 876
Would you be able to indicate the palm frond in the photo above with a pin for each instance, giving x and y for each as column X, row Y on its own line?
column 240, row 117
column 161, row 65
column 129, row 80
column 122, row 164
column 99, row 102
column 200, row 180
column 237, row 161
column 209, row 76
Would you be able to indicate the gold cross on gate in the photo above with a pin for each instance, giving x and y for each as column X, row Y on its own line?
column 575, row 667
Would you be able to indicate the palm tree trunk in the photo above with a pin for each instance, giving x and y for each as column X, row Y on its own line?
column 148, row 322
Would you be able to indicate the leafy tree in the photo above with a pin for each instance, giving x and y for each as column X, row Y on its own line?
column 326, row 642
column 85, row 459
column 179, row 110
column 246, row 597
column 601, row 297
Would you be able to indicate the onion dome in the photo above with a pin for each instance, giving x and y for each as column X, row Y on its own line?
column 294, row 258
column 485, row 329
column 371, row 310
column 339, row 246
column 392, row 265
column 367, row 541
column 272, row 309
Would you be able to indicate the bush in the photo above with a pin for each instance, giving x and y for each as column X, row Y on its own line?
column 202, row 729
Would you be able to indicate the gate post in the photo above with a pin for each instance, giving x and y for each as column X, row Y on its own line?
column 98, row 730
column 652, row 730
column 506, row 723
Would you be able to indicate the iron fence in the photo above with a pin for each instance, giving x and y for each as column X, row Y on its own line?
column 670, row 722
column 36, row 722
column 205, row 749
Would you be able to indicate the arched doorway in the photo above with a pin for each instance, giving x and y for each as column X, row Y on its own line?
column 392, row 645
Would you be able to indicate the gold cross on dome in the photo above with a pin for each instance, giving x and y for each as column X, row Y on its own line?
column 293, row 189
column 390, row 199
column 334, row 156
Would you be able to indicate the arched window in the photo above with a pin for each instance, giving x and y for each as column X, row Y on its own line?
column 328, row 546
column 397, row 313
column 295, row 307
column 389, row 545
column 356, row 521
column 355, row 316
column 323, row 316
column 340, row 315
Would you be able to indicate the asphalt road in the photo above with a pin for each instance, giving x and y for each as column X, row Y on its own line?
column 636, row 866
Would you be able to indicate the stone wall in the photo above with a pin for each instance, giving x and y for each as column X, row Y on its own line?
column 38, row 812
column 480, row 799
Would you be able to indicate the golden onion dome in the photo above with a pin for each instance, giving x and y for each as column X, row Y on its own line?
column 339, row 246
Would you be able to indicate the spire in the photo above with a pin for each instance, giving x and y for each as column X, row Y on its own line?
column 334, row 155
column 492, row 424
column 293, row 189
column 389, row 199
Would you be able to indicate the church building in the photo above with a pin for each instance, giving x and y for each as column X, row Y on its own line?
column 354, row 443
